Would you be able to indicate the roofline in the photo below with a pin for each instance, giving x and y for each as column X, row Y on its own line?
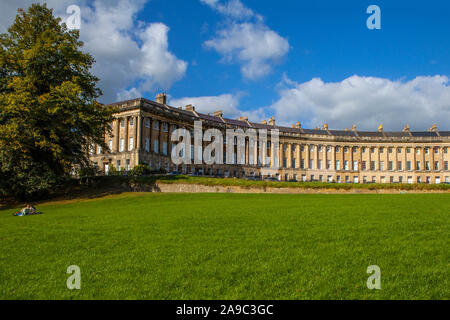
column 323, row 132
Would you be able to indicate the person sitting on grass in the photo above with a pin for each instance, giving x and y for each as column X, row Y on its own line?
column 27, row 211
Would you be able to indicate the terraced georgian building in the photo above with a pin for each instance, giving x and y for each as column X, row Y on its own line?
column 142, row 132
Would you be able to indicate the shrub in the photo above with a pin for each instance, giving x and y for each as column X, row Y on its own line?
column 141, row 170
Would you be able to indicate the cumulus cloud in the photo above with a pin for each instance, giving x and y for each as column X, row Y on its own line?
column 366, row 102
column 246, row 40
column 231, row 8
column 132, row 57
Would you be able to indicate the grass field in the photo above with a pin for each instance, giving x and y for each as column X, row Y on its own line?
column 229, row 246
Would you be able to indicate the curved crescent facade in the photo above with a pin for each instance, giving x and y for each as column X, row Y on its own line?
column 141, row 134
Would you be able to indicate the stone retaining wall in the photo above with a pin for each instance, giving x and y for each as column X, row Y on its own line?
column 194, row 188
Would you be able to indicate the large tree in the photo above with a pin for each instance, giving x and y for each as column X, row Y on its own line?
column 49, row 112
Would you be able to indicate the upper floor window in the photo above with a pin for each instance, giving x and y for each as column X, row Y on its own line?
column 122, row 123
column 156, row 125
column 131, row 121
column 122, row 145
column 147, row 123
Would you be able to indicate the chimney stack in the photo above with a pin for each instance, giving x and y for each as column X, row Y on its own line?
column 272, row 121
column 243, row 118
column 406, row 128
column 298, row 125
column 161, row 98
column 380, row 128
column 190, row 107
column 264, row 122
column 218, row 114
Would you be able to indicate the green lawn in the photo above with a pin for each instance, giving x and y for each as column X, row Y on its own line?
column 230, row 246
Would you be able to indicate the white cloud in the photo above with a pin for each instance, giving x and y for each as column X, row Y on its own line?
column 254, row 46
column 366, row 102
column 231, row 8
column 251, row 43
column 132, row 57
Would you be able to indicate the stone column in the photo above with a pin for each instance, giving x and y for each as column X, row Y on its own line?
column 360, row 159
column 161, row 140
column 138, row 135
column 379, row 158
column 333, row 158
column 308, row 155
column 281, row 155
column 351, row 158
column 423, row 159
column 126, row 133
column 117, row 136
column 316, row 151
column 152, row 135
column 289, row 158
column 432, row 159
column 255, row 153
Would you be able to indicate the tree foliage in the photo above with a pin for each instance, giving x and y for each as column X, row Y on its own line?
column 49, row 113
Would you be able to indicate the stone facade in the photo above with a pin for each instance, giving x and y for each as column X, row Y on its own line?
column 142, row 128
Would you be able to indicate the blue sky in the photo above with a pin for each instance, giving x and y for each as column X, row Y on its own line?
column 309, row 61
column 328, row 40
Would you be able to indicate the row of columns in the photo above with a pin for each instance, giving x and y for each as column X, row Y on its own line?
column 139, row 124
column 398, row 157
